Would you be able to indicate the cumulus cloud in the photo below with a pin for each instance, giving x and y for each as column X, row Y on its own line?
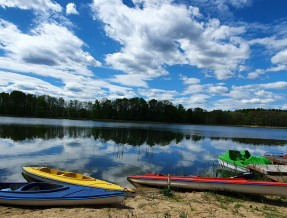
column 49, row 44
column 68, row 86
column 280, row 58
column 256, row 74
column 42, row 5
column 222, row 8
column 71, row 9
column 158, row 94
column 225, row 4
column 276, row 44
column 189, row 81
column 51, row 51
column 154, row 35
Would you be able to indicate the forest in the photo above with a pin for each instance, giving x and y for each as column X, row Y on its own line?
column 21, row 104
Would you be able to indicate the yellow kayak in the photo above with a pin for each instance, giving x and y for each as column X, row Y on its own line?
column 45, row 174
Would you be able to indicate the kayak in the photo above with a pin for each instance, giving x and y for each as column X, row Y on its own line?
column 278, row 158
column 45, row 174
column 238, row 185
column 238, row 161
column 49, row 194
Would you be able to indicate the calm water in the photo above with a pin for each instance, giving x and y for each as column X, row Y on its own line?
column 112, row 151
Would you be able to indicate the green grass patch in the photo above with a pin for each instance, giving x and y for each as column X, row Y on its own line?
column 166, row 192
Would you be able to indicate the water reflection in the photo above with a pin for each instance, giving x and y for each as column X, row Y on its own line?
column 130, row 136
column 112, row 152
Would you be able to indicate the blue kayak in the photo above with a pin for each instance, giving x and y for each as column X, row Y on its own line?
column 50, row 194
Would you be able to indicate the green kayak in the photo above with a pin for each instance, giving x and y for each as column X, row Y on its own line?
column 238, row 161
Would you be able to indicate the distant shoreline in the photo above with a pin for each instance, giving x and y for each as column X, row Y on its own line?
column 148, row 122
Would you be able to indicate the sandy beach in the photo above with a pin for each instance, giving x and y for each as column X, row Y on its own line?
column 150, row 203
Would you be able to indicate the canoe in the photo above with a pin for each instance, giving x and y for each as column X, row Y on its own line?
column 238, row 161
column 45, row 174
column 279, row 158
column 238, row 185
column 50, row 194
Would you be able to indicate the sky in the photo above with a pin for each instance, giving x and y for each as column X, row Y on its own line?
column 212, row 54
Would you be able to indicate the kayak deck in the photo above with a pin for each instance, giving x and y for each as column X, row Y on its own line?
column 238, row 185
column 46, row 174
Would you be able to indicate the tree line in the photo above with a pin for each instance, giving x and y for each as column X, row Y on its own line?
column 20, row 104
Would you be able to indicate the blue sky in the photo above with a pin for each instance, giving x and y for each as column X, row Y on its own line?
column 213, row 54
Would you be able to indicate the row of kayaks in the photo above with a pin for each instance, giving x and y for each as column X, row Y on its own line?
column 236, row 160
column 60, row 188
column 57, row 187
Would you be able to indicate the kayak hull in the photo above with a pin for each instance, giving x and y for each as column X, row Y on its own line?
column 238, row 185
column 49, row 194
column 77, row 202
column 232, row 166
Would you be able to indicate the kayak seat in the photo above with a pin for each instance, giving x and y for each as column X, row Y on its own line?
column 72, row 175
column 245, row 154
column 45, row 170
column 86, row 177
column 16, row 186
column 35, row 188
column 234, row 155
column 60, row 173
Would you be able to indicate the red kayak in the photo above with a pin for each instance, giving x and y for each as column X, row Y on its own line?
column 238, row 185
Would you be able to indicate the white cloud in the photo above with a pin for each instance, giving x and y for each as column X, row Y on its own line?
column 256, row 74
column 158, row 94
column 277, row 68
column 225, row 4
column 257, row 101
column 189, row 81
column 51, row 51
column 69, row 86
column 71, row 9
column 31, row 4
column 222, row 8
column 49, row 44
column 155, row 35
column 280, row 85
column 198, row 98
column 280, row 58
column 218, row 90
column 276, row 45
column 131, row 80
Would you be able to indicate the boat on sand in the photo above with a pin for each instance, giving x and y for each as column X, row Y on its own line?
column 49, row 194
column 45, row 174
column 237, row 161
column 238, row 185
column 279, row 158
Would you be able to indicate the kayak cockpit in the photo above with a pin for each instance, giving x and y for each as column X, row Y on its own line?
column 31, row 187
column 65, row 174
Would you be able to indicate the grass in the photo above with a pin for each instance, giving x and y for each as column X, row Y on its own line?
column 182, row 214
column 269, row 208
column 167, row 215
column 166, row 192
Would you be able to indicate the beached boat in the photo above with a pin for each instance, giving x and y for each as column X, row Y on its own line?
column 50, row 194
column 45, row 174
column 238, row 185
column 279, row 158
column 237, row 161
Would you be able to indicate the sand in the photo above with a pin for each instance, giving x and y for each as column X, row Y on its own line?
column 150, row 203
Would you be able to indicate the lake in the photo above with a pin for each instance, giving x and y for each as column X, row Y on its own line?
column 113, row 150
